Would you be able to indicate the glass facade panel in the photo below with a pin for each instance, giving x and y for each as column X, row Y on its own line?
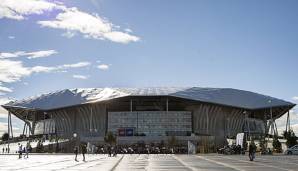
column 152, row 123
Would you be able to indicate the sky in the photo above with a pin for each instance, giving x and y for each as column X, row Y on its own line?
column 48, row 45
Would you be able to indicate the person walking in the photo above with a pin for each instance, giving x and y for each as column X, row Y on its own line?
column 24, row 151
column 252, row 151
column 20, row 150
column 109, row 151
column 115, row 151
column 84, row 150
column 76, row 151
column 27, row 150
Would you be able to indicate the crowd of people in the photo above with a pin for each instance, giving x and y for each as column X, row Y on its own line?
column 24, row 150
column 113, row 150
column 140, row 149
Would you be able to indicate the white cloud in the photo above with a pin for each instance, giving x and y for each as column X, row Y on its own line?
column 91, row 26
column 11, row 37
column 83, row 77
column 295, row 98
column 19, row 9
column 70, row 19
column 103, row 67
column 5, row 89
column 29, row 55
column 12, row 71
column 69, row 34
column 41, row 54
column 76, row 65
column 128, row 30
column 59, row 68
column 4, row 55
column 4, row 101
column 120, row 37
column 38, row 69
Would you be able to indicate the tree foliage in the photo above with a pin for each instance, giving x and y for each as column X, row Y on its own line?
column 290, row 137
column 5, row 136
column 110, row 138
column 263, row 143
column 276, row 144
column 172, row 141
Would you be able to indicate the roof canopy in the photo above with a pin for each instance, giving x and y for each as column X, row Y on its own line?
column 222, row 96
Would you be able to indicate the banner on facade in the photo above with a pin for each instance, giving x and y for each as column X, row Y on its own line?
column 239, row 139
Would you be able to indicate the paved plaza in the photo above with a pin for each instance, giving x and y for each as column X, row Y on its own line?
column 210, row 162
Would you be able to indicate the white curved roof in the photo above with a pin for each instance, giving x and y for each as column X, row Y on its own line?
column 222, row 96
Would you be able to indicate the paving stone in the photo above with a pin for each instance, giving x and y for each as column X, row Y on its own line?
column 154, row 162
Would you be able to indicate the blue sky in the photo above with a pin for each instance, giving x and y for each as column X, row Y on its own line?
column 249, row 45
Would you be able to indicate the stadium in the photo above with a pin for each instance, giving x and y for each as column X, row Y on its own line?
column 200, row 115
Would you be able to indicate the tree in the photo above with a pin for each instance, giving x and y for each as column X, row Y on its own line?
column 110, row 138
column 5, row 136
column 172, row 141
column 290, row 137
column 276, row 144
column 263, row 143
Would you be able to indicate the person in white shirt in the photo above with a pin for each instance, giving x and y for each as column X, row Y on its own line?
column 20, row 150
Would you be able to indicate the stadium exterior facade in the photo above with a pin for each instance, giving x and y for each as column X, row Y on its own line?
column 149, row 114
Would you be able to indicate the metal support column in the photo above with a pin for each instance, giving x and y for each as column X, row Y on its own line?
column 131, row 105
column 207, row 121
column 167, row 105
column 10, row 132
column 246, row 122
column 91, row 118
column 288, row 122
column 8, row 123
column 24, row 128
column 44, row 122
column 137, row 123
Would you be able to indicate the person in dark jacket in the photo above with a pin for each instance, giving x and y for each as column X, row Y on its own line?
column 252, row 151
column 84, row 151
column 109, row 150
column 76, row 151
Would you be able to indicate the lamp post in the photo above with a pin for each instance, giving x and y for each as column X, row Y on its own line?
column 75, row 135
column 270, row 122
column 246, row 123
